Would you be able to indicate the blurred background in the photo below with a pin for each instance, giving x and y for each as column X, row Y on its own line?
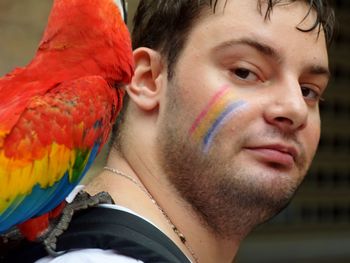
column 315, row 228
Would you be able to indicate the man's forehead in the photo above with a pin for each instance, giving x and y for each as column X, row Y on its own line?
column 241, row 20
column 307, row 19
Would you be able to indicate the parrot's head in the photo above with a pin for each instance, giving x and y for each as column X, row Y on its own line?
column 90, row 37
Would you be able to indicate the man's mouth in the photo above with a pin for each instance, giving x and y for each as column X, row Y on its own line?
column 278, row 154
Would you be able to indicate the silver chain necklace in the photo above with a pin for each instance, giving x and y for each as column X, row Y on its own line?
column 144, row 189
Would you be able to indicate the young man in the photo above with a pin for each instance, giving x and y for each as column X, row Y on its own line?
column 222, row 119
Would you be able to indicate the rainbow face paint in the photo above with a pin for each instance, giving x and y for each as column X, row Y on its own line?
column 220, row 109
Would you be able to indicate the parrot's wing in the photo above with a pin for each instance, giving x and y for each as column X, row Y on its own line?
column 15, row 96
column 52, row 146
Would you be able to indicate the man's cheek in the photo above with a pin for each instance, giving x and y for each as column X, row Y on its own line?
column 221, row 108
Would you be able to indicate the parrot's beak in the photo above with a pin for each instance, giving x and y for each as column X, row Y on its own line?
column 123, row 8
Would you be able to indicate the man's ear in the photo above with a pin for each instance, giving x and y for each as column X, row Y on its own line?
column 145, row 87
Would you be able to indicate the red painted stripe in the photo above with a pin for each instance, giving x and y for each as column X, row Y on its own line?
column 216, row 97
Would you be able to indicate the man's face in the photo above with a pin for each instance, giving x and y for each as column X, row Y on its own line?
column 241, row 122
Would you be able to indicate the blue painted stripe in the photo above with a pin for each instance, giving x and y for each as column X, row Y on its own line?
column 225, row 115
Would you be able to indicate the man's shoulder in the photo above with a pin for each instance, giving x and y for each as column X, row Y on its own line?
column 107, row 232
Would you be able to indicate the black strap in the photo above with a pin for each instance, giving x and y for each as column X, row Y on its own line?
column 106, row 228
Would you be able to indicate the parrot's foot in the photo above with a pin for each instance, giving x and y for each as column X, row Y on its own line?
column 9, row 240
column 81, row 202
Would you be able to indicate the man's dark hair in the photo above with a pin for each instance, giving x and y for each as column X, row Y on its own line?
column 164, row 25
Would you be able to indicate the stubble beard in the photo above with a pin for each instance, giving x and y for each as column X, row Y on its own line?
column 225, row 196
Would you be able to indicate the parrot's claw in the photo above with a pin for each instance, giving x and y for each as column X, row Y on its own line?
column 82, row 201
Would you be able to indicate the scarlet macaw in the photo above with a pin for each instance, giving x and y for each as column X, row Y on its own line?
column 57, row 112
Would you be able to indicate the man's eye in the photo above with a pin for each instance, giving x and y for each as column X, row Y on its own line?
column 309, row 93
column 245, row 74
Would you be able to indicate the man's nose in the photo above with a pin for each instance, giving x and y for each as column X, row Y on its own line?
column 287, row 110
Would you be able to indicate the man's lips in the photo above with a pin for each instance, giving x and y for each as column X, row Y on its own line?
column 280, row 154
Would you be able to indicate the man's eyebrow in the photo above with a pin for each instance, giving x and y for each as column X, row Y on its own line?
column 318, row 70
column 271, row 52
column 258, row 46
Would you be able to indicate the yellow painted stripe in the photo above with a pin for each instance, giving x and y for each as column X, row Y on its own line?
column 211, row 116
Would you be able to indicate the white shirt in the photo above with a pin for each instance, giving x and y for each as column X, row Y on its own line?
column 91, row 255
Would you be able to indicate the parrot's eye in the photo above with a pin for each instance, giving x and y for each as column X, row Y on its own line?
column 122, row 5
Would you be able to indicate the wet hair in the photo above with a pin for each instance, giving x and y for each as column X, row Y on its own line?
column 164, row 25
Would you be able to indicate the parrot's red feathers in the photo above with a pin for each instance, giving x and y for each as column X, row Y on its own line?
column 83, row 37
column 37, row 226
column 57, row 112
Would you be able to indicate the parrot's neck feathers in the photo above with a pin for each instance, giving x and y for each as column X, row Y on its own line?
column 86, row 36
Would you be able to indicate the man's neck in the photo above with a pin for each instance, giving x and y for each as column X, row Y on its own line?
column 206, row 246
